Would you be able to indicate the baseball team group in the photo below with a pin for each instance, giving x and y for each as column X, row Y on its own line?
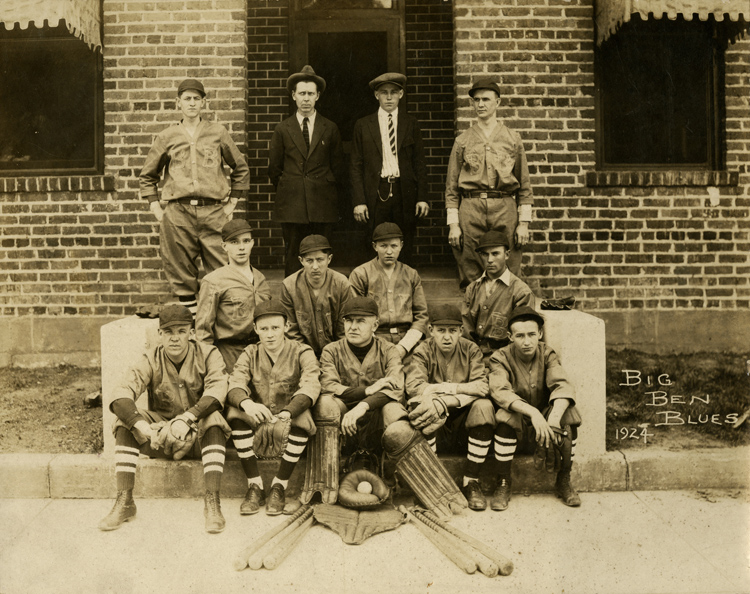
column 354, row 370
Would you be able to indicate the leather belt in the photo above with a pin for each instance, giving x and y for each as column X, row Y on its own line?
column 395, row 329
column 486, row 194
column 391, row 179
column 197, row 201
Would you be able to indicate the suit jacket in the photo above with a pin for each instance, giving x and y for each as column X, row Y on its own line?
column 306, row 181
column 367, row 162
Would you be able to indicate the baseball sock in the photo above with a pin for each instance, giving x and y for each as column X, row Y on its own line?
column 505, row 448
column 189, row 301
column 242, row 435
column 480, row 439
column 213, row 453
column 574, row 439
column 294, row 448
column 126, row 459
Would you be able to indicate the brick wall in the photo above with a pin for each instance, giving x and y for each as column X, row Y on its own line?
column 617, row 242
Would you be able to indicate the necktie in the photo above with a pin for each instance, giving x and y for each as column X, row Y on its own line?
column 392, row 133
column 306, row 133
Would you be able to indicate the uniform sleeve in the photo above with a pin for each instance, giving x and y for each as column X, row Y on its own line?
column 276, row 157
column 501, row 388
column 556, row 378
column 215, row 383
column 148, row 178
column 419, row 307
column 240, row 176
column 263, row 289
column 205, row 316
column 469, row 325
column 417, row 372
column 330, row 380
column 525, row 298
column 291, row 315
column 451, row 179
column 136, row 381
column 395, row 371
column 309, row 381
column 477, row 372
column 241, row 376
column 521, row 172
column 345, row 296
column 358, row 281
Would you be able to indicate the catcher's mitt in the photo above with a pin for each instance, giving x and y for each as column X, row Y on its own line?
column 174, row 447
column 551, row 458
column 271, row 437
column 349, row 496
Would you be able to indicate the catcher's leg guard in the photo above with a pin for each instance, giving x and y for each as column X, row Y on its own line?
column 421, row 469
column 322, row 465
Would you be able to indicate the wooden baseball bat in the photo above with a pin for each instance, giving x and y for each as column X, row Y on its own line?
column 485, row 565
column 255, row 561
column 458, row 556
column 505, row 565
column 240, row 561
column 285, row 546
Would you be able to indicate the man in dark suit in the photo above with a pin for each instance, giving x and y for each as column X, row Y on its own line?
column 388, row 168
column 306, row 161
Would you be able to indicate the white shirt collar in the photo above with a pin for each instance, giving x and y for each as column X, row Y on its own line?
column 310, row 118
column 383, row 114
column 504, row 277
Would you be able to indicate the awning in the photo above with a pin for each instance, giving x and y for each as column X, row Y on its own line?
column 611, row 14
column 82, row 17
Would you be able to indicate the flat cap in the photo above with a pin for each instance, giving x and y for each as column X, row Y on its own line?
column 523, row 313
column 313, row 243
column 234, row 228
column 190, row 84
column 445, row 314
column 175, row 314
column 484, row 84
column 492, row 239
column 360, row 306
column 272, row 307
column 306, row 74
column 395, row 78
column 387, row 231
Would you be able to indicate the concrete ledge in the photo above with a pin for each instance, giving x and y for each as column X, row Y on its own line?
column 92, row 476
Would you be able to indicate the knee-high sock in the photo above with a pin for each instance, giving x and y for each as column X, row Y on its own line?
column 126, row 458
column 568, row 464
column 294, row 448
column 505, row 448
column 480, row 439
column 213, row 453
column 242, row 435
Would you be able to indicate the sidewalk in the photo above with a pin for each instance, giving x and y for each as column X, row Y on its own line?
column 617, row 542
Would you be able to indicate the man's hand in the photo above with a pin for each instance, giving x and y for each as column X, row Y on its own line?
column 143, row 432
column 427, row 412
column 522, row 233
column 545, row 437
column 475, row 388
column 284, row 415
column 258, row 412
column 361, row 214
column 454, row 235
column 349, row 420
column 422, row 209
column 156, row 208
column 383, row 383
column 230, row 205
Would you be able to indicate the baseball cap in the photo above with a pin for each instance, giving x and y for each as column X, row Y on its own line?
column 445, row 314
column 190, row 84
column 175, row 314
column 525, row 313
column 272, row 307
column 484, row 84
column 386, row 231
column 492, row 239
column 313, row 243
column 234, row 228
column 362, row 306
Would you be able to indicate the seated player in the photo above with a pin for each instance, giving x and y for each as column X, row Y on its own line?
column 535, row 404
column 273, row 381
column 229, row 294
column 314, row 296
column 395, row 287
column 491, row 298
column 446, row 383
column 186, row 386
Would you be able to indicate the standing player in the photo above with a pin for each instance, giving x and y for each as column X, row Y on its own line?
column 273, row 382
column 228, row 296
column 196, row 200
column 395, row 287
column 315, row 296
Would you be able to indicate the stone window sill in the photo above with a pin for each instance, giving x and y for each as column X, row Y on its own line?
column 58, row 183
column 662, row 178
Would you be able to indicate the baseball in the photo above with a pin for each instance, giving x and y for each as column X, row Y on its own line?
column 364, row 487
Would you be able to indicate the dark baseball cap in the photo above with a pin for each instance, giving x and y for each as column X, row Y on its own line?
column 175, row 314
column 313, row 243
column 234, row 228
column 272, row 307
column 492, row 239
column 523, row 313
column 360, row 306
column 484, row 84
column 445, row 314
column 190, row 84
column 387, row 231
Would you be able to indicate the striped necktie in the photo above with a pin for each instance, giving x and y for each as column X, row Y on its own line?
column 392, row 133
column 306, row 133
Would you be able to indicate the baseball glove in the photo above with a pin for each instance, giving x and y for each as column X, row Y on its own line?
column 551, row 458
column 174, row 447
column 271, row 437
column 349, row 496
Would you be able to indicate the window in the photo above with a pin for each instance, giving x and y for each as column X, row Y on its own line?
column 50, row 103
column 658, row 96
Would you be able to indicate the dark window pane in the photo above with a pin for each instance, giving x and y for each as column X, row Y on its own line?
column 343, row 4
column 656, row 81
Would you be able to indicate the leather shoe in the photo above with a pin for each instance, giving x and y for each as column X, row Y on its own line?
column 123, row 511
column 276, row 500
column 254, row 499
column 475, row 497
column 501, row 496
column 565, row 491
column 215, row 522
